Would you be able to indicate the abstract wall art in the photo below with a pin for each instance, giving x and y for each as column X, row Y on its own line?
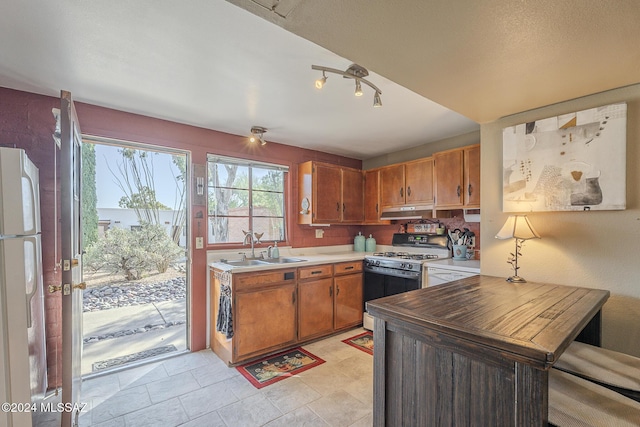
column 571, row 162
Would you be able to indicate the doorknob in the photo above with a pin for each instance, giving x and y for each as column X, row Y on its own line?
column 82, row 286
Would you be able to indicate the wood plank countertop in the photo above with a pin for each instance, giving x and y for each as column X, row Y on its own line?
column 531, row 323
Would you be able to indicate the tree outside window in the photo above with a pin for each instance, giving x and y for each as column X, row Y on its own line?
column 245, row 196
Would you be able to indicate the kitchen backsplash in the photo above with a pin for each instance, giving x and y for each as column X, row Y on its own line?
column 384, row 233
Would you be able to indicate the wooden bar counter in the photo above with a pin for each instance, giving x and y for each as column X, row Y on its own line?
column 476, row 351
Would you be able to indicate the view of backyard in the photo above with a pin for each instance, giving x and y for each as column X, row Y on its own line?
column 134, row 263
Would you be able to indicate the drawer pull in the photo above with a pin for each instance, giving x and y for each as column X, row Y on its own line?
column 349, row 268
column 316, row 272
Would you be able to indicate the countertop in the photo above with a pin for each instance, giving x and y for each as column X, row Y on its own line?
column 529, row 322
column 468, row 266
column 307, row 260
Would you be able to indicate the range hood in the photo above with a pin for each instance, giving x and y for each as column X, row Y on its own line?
column 407, row 212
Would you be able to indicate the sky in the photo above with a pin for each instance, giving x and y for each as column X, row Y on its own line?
column 108, row 191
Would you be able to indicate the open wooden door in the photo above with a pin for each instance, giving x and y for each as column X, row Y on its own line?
column 71, row 239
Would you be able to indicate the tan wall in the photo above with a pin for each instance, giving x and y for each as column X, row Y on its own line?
column 597, row 249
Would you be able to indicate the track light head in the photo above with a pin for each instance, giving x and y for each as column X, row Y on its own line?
column 377, row 101
column 358, row 88
column 321, row 81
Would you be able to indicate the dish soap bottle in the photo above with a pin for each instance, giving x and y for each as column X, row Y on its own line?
column 370, row 244
column 358, row 243
column 275, row 252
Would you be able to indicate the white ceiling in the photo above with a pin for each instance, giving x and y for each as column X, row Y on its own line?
column 210, row 64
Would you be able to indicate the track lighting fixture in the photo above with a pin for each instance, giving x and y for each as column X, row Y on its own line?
column 257, row 133
column 355, row 72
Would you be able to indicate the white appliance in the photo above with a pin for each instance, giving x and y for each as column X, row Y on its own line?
column 23, row 367
column 445, row 271
column 390, row 273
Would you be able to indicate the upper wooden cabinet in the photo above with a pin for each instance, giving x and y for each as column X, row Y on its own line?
column 409, row 183
column 457, row 178
column 372, row 202
column 329, row 194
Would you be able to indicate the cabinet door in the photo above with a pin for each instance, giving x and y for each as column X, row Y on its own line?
column 264, row 320
column 327, row 189
column 472, row 176
column 392, row 185
column 348, row 300
column 419, row 182
column 448, row 178
column 315, row 308
column 352, row 196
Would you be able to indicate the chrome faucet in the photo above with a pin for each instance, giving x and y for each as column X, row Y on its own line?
column 249, row 235
column 269, row 251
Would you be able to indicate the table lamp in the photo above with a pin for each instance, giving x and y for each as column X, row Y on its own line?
column 517, row 227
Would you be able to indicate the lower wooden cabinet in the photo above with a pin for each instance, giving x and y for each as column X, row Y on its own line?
column 348, row 301
column 276, row 309
column 264, row 320
column 315, row 308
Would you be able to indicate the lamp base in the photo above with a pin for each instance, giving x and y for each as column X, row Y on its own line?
column 516, row 279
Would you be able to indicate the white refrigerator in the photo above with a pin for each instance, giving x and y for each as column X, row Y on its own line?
column 23, row 367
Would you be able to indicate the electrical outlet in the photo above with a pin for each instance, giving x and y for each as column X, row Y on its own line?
column 199, row 242
column 319, row 233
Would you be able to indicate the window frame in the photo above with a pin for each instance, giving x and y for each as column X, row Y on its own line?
column 250, row 165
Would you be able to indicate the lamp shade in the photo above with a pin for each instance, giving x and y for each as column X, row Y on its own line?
column 519, row 227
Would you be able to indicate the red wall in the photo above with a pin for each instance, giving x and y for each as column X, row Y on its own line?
column 26, row 122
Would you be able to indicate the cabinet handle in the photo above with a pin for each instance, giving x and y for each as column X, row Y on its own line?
column 343, row 208
column 316, row 272
column 408, row 191
column 293, row 297
column 458, row 190
column 330, row 291
column 337, row 290
column 376, row 208
column 349, row 268
column 469, row 189
column 337, row 206
column 401, row 192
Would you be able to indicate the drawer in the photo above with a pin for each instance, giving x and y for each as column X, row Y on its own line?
column 251, row 281
column 348, row 267
column 314, row 272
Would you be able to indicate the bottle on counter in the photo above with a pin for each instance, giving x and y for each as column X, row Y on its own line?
column 370, row 244
column 359, row 243
column 275, row 252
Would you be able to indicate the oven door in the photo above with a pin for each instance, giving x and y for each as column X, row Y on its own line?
column 378, row 285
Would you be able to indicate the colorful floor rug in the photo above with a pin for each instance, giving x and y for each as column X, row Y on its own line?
column 279, row 367
column 363, row 341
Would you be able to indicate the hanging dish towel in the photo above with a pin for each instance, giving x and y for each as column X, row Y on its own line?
column 224, row 323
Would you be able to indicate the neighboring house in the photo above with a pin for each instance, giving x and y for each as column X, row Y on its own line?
column 127, row 218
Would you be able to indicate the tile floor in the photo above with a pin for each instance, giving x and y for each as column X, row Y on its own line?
column 198, row 389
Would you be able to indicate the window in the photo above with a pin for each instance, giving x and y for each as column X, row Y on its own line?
column 243, row 196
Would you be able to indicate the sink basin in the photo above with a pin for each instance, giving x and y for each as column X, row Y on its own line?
column 282, row 260
column 245, row 263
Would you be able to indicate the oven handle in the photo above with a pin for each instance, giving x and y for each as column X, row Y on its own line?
column 391, row 272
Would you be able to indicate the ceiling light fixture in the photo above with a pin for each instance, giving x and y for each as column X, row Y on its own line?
column 257, row 133
column 355, row 72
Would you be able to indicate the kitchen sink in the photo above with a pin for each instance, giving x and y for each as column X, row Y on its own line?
column 282, row 260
